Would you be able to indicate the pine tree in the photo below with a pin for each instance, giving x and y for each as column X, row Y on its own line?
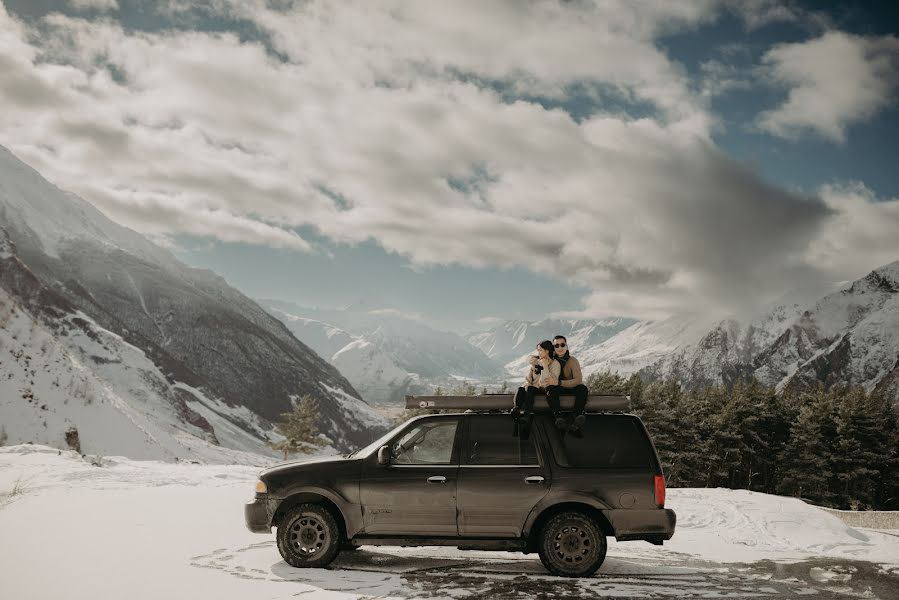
column 807, row 457
column 635, row 391
column 464, row 389
column 299, row 428
column 664, row 421
column 860, row 447
column 705, row 410
column 607, row 382
column 690, row 436
column 888, row 485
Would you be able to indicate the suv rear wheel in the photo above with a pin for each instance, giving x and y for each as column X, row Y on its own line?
column 572, row 545
column 308, row 536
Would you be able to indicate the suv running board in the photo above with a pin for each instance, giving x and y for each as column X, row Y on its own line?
column 512, row 545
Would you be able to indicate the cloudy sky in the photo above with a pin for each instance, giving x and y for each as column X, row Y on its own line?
column 462, row 159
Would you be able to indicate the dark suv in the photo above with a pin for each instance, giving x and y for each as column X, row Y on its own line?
column 464, row 480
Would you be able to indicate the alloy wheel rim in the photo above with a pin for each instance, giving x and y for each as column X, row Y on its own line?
column 573, row 545
column 308, row 536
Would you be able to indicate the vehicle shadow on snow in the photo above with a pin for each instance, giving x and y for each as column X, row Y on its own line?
column 372, row 572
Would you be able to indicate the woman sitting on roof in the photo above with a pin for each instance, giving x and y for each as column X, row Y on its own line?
column 543, row 372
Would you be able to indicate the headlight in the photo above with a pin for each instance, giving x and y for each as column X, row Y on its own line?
column 261, row 487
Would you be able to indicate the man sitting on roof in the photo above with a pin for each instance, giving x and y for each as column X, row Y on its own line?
column 571, row 381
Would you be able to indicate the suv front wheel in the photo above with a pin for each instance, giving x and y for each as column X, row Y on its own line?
column 308, row 536
column 572, row 544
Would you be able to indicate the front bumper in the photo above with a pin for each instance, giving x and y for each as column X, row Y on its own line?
column 258, row 515
column 653, row 525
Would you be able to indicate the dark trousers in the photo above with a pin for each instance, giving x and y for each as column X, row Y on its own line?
column 524, row 397
column 580, row 397
column 524, row 402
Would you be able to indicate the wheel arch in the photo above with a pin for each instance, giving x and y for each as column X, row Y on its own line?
column 537, row 521
column 312, row 497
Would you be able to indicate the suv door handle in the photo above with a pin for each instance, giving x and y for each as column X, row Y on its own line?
column 534, row 479
column 437, row 479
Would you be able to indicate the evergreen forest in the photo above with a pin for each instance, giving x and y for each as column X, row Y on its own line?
column 836, row 447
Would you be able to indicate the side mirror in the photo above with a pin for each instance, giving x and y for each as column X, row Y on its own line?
column 384, row 455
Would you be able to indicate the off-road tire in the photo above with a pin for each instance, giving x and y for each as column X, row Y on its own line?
column 308, row 536
column 571, row 544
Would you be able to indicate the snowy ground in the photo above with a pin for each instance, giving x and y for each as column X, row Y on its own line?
column 140, row 529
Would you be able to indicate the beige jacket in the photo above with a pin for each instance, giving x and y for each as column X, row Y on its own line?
column 546, row 377
column 571, row 374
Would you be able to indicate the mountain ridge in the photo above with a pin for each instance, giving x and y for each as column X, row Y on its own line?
column 201, row 332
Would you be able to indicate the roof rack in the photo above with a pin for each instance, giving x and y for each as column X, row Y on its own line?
column 486, row 402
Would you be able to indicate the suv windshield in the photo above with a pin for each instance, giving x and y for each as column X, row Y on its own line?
column 373, row 447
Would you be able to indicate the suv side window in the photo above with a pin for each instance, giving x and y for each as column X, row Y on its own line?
column 608, row 441
column 427, row 443
column 490, row 442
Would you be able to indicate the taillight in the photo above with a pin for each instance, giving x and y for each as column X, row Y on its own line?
column 660, row 490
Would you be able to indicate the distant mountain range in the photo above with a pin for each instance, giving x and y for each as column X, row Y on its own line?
column 109, row 333
column 508, row 340
column 827, row 335
column 386, row 354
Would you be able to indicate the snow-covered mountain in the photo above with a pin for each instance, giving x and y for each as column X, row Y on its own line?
column 384, row 353
column 642, row 344
column 508, row 341
column 848, row 336
column 174, row 350
column 823, row 333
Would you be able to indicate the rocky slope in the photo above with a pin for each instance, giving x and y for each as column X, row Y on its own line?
column 850, row 336
column 197, row 331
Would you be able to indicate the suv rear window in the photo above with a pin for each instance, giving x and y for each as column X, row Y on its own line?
column 609, row 441
column 490, row 442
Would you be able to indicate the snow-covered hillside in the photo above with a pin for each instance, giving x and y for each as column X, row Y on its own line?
column 384, row 353
column 91, row 383
column 142, row 529
column 217, row 355
column 372, row 372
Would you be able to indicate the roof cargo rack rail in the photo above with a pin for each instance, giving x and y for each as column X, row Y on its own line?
column 486, row 402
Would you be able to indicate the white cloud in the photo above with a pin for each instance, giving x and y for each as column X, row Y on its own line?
column 834, row 81
column 377, row 108
column 861, row 235
column 100, row 5
column 759, row 13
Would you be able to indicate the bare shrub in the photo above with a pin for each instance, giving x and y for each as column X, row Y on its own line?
column 72, row 439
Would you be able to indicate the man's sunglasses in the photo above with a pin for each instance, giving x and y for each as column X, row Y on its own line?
column 562, row 345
